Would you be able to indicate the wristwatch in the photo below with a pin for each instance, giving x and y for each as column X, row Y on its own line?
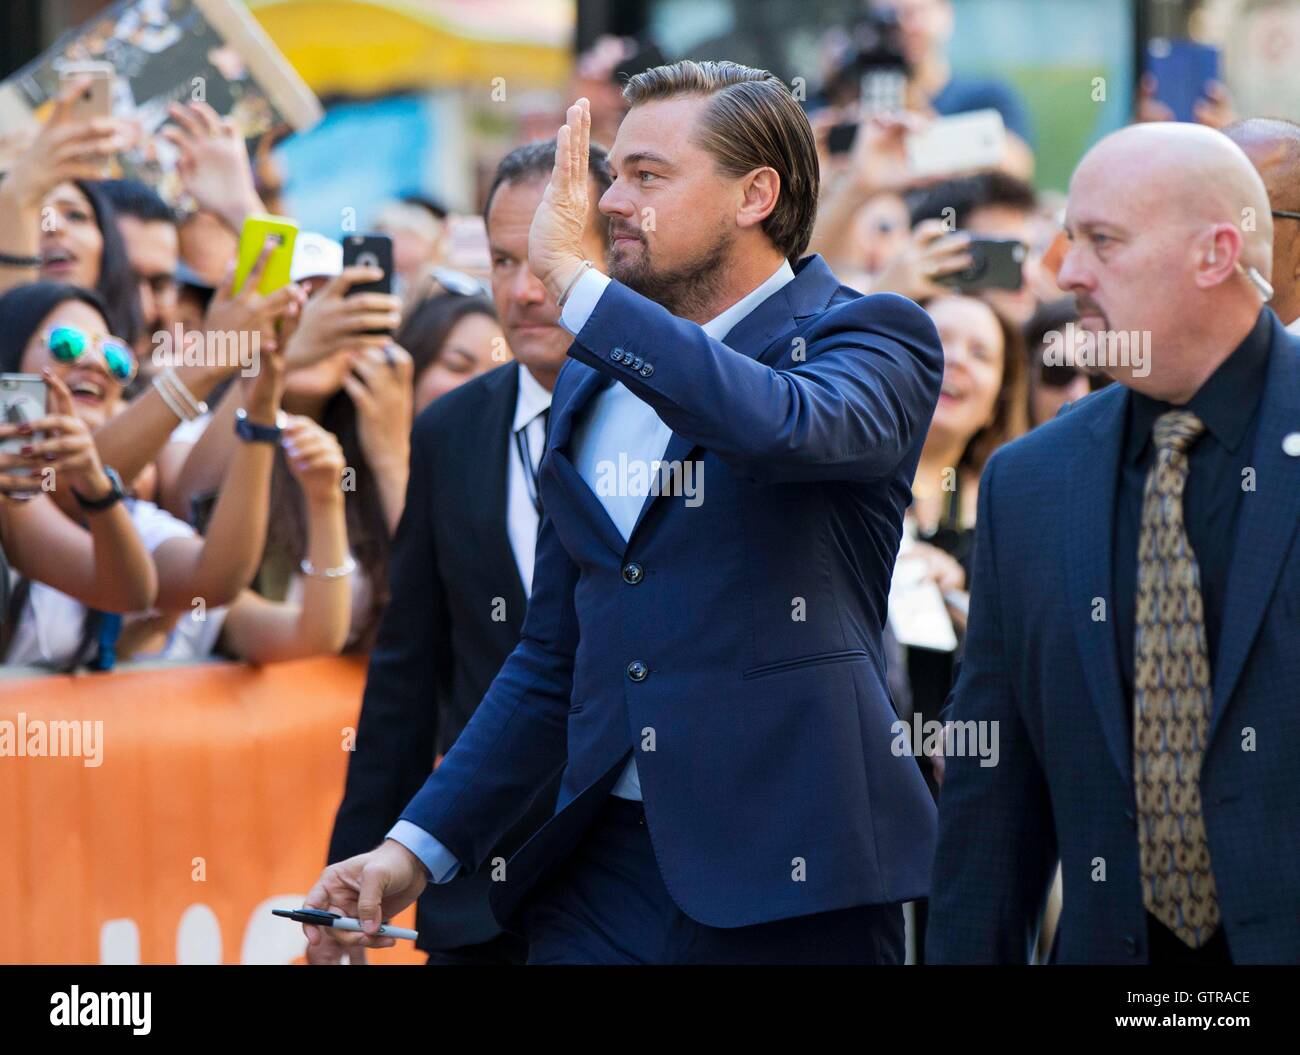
column 115, row 495
column 250, row 433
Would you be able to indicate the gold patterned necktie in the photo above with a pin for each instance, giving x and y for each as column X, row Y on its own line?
column 1171, row 698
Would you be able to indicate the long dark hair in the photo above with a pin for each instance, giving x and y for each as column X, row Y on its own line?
column 428, row 325
column 22, row 310
column 117, row 280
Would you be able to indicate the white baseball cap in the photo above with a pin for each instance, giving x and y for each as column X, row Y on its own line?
column 315, row 256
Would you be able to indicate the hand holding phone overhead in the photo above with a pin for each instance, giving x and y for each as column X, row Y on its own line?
column 258, row 230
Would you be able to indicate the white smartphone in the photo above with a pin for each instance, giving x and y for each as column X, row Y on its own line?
column 959, row 143
column 22, row 401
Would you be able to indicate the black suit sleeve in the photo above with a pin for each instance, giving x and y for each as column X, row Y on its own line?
column 397, row 734
column 996, row 854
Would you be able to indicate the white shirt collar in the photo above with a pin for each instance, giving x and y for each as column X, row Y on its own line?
column 719, row 327
column 533, row 398
column 1294, row 328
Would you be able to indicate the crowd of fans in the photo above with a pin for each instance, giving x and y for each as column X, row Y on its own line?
column 257, row 551
column 266, row 552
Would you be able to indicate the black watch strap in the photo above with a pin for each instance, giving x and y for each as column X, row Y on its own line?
column 251, row 433
column 98, row 505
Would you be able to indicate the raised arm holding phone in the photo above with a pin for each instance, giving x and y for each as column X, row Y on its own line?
column 104, row 565
column 67, row 148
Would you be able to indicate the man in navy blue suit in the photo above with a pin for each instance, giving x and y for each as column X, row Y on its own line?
column 729, row 458
column 1135, row 616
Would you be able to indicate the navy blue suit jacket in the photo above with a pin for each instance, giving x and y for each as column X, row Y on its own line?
column 770, row 789
column 1040, row 664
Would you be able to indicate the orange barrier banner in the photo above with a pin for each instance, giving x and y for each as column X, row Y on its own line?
column 157, row 816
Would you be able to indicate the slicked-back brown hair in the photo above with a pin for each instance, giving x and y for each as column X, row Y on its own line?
column 752, row 121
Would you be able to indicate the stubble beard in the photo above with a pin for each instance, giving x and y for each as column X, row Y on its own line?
column 686, row 290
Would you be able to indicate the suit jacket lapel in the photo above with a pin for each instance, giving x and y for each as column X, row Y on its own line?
column 563, row 417
column 1266, row 521
column 564, row 411
column 1090, row 521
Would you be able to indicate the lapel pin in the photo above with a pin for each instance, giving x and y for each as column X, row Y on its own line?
column 1291, row 444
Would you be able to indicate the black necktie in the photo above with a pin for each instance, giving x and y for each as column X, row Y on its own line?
column 525, row 450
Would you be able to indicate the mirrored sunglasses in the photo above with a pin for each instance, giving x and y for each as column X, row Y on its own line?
column 68, row 344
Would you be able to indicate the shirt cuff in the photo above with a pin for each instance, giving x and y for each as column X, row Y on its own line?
column 440, row 862
column 582, row 300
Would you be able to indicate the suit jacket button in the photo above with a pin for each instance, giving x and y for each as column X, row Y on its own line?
column 616, row 355
column 647, row 370
column 637, row 671
column 637, row 362
column 1130, row 945
column 632, row 573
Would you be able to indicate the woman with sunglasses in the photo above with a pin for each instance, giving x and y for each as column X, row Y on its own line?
column 104, row 567
column 56, row 225
column 63, row 329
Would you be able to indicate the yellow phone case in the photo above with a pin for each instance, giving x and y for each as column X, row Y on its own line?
column 257, row 229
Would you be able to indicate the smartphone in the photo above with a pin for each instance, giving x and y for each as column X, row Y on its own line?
column 96, row 99
column 22, row 400
column 257, row 229
column 960, row 143
column 370, row 250
column 996, row 263
column 1181, row 68
column 841, row 137
column 882, row 89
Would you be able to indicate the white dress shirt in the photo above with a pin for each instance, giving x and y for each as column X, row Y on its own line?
column 521, row 514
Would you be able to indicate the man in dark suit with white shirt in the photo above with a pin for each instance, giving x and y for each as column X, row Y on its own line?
column 462, row 568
